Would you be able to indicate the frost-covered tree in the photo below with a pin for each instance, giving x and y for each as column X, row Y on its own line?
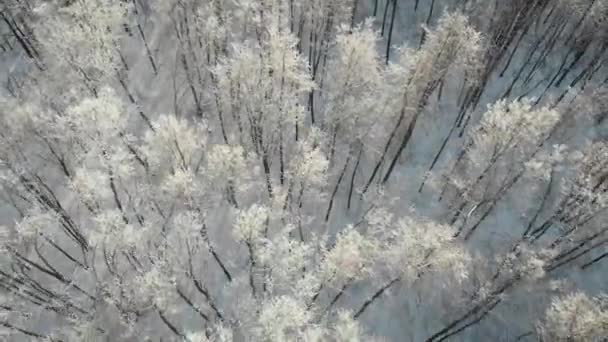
column 81, row 39
column 576, row 317
column 286, row 170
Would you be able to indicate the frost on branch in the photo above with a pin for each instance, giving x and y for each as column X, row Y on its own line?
column 310, row 166
column 83, row 37
column 282, row 317
column 226, row 161
column 102, row 116
column 499, row 150
column 37, row 222
column 174, row 141
column 351, row 257
column 415, row 246
column 509, row 128
column 576, row 317
column 454, row 42
column 353, row 83
column 251, row 223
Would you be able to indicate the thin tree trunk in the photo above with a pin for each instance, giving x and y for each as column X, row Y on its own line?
column 438, row 154
column 352, row 179
column 353, row 13
column 375, row 297
column 427, row 22
column 335, row 191
column 337, row 296
column 386, row 147
column 21, row 40
column 171, row 326
column 595, row 260
column 281, row 156
column 404, row 143
column 388, row 3
column 390, row 31
column 143, row 38
column 266, row 165
column 197, row 103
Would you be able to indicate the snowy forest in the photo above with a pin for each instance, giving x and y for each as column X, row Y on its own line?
column 304, row 170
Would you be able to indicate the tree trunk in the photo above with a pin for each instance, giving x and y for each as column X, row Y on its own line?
column 333, row 194
column 352, row 179
column 390, row 31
